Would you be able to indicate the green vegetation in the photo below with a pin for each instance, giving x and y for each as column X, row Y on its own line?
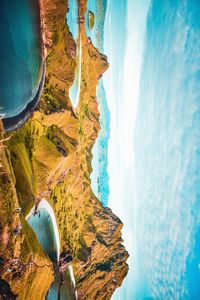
column 50, row 103
column 83, row 251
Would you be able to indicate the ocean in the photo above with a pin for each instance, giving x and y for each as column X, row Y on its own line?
column 99, row 176
column 20, row 54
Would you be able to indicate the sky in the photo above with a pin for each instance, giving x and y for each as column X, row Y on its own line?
column 124, row 42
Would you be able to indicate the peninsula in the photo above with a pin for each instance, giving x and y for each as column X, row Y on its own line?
column 49, row 157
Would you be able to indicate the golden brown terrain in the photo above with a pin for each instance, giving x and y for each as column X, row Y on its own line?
column 50, row 157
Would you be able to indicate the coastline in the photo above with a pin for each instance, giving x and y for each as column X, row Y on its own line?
column 15, row 122
column 45, row 205
column 90, row 232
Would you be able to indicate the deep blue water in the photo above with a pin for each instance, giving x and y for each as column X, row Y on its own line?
column 167, row 155
column 20, row 56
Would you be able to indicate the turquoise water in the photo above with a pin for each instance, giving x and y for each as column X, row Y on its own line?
column 19, row 54
column 72, row 21
column 72, row 18
column 167, row 154
column 103, row 139
column 91, row 6
column 42, row 225
column 104, row 135
column 66, row 291
column 99, row 176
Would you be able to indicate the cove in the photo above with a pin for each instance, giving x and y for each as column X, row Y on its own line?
column 43, row 222
column 21, row 67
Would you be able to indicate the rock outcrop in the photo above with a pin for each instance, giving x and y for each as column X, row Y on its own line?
column 50, row 156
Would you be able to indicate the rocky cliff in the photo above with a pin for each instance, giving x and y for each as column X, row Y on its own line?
column 50, row 156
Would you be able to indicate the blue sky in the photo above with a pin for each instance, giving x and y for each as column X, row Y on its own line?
column 124, row 36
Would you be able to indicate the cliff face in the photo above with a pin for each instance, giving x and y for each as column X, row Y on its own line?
column 50, row 156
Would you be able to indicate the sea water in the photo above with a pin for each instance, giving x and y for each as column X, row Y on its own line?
column 72, row 18
column 99, row 176
column 20, row 54
column 42, row 225
column 91, row 7
column 72, row 21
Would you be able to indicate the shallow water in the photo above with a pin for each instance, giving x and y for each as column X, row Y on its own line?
column 20, row 54
column 66, row 291
column 72, row 21
column 91, row 6
column 72, row 18
column 42, row 225
column 103, row 139
column 99, row 176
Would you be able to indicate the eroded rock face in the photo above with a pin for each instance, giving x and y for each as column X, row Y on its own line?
column 50, row 156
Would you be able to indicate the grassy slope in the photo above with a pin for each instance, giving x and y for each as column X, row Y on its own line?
column 22, row 247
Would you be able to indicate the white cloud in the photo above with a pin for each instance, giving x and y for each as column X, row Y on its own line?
column 125, row 96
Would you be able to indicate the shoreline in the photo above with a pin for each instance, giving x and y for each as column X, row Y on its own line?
column 45, row 205
column 15, row 122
